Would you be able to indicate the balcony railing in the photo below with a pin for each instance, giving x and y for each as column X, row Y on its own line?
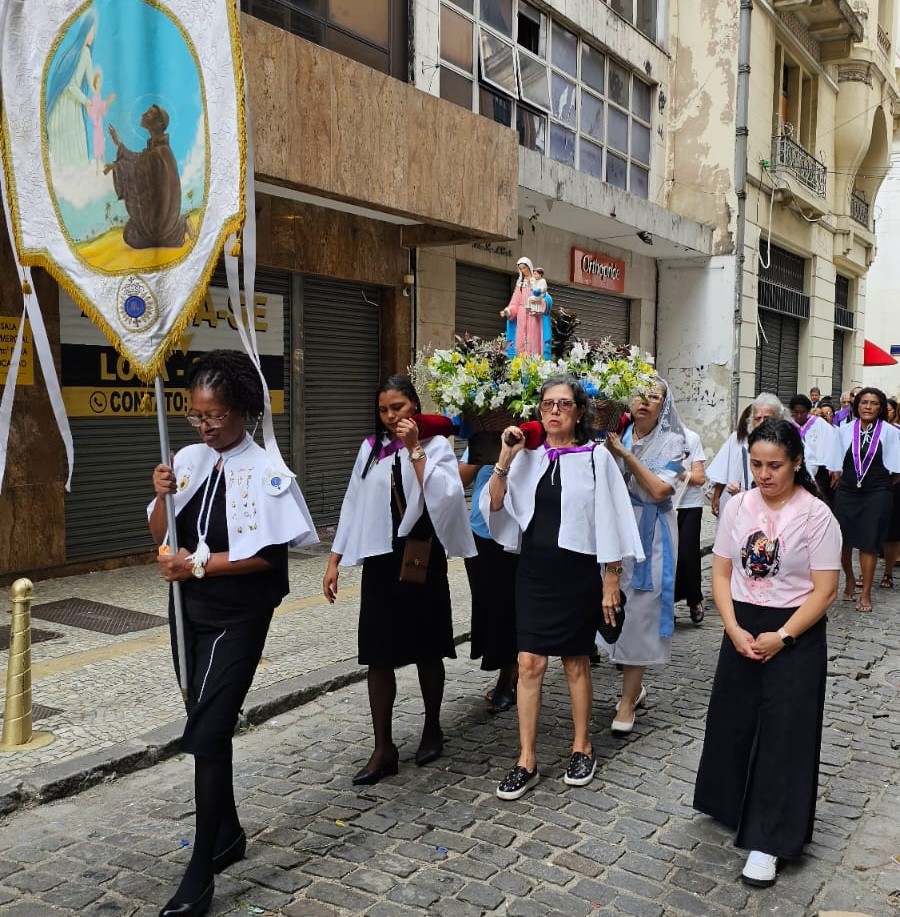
column 777, row 298
column 884, row 42
column 859, row 208
column 787, row 154
column 843, row 318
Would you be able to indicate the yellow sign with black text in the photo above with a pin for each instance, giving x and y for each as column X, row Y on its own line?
column 84, row 401
column 9, row 332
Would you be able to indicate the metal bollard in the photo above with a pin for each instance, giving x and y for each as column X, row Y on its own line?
column 17, row 732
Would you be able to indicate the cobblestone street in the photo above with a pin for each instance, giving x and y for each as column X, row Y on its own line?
column 437, row 841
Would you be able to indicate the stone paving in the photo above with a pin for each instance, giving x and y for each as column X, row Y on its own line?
column 437, row 841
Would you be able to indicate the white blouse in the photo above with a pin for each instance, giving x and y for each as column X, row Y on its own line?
column 365, row 530
column 595, row 513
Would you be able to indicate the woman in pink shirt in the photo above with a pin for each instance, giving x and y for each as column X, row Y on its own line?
column 777, row 558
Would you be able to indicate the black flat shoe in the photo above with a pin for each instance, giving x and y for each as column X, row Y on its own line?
column 233, row 853
column 427, row 754
column 370, row 776
column 190, row 908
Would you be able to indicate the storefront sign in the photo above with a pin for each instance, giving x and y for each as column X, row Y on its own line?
column 591, row 269
column 99, row 382
column 9, row 332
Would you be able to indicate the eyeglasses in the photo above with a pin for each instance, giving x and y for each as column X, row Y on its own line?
column 212, row 421
column 564, row 404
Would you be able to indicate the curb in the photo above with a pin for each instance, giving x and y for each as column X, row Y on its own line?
column 69, row 778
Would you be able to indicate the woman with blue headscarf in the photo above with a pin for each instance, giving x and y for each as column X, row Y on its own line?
column 68, row 94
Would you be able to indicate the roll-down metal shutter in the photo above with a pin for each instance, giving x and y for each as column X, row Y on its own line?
column 480, row 295
column 777, row 356
column 340, row 376
column 114, row 457
column 600, row 315
column 837, row 367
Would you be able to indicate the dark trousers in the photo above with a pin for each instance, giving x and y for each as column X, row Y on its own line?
column 759, row 768
column 687, row 572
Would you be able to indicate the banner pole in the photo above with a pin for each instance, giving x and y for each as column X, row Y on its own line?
column 165, row 453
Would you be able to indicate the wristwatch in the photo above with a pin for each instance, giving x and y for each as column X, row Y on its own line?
column 616, row 569
column 416, row 454
column 786, row 638
column 198, row 570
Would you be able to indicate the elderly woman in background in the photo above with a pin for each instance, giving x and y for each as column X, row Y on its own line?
column 401, row 488
column 565, row 507
column 729, row 471
column 652, row 452
column 866, row 465
column 775, row 572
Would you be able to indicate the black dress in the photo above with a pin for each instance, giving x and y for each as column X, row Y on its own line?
column 405, row 623
column 226, row 619
column 864, row 513
column 559, row 593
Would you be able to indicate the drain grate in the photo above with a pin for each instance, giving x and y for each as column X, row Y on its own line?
column 37, row 635
column 95, row 616
column 38, row 712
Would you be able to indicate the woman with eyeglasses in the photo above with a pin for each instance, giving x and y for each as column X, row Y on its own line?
column 405, row 485
column 236, row 510
column 564, row 506
column 651, row 451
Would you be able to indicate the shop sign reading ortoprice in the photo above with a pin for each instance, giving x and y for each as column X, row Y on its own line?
column 602, row 272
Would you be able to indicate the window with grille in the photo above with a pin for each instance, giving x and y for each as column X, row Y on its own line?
column 567, row 98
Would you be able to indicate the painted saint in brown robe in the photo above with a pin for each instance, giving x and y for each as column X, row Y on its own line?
column 149, row 184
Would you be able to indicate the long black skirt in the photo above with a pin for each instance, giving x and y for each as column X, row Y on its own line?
column 864, row 516
column 492, row 580
column 687, row 571
column 404, row 623
column 223, row 650
column 759, row 769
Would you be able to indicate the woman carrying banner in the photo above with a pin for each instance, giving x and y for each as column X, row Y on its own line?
column 402, row 490
column 236, row 514
column 868, row 463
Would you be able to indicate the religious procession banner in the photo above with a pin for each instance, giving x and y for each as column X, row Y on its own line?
column 124, row 154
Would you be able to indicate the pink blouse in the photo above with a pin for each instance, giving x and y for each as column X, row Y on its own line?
column 772, row 553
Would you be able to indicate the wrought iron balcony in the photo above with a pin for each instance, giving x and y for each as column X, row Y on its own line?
column 786, row 154
column 778, row 298
column 859, row 208
column 884, row 42
column 843, row 318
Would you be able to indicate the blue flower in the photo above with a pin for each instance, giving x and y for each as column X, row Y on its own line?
column 590, row 389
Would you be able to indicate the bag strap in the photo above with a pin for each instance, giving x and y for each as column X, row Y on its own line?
column 400, row 497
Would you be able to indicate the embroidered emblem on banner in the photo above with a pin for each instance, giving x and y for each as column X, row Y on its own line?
column 137, row 305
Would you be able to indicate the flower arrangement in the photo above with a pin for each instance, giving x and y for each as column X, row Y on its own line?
column 477, row 377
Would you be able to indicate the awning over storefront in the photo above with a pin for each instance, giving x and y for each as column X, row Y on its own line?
column 873, row 355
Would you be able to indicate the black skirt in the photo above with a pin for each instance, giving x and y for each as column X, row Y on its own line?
column 759, row 768
column 492, row 580
column 864, row 513
column 687, row 572
column 405, row 623
column 559, row 593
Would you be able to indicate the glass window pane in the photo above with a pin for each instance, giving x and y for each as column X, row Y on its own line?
column 616, row 171
column 591, row 115
column 456, row 39
column 498, row 15
column 456, row 88
column 565, row 50
column 623, row 7
column 532, row 29
column 619, row 78
column 357, row 49
column 640, row 142
column 370, row 19
column 646, row 17
column 532, row 127
column 269, row 11
column 641, row 94
column 494, row 106
column 563, row 99
column 535, row 77
column 640, row 181
column 592, row 64
column 590, row 158
column 562, row 145
column 617, row 129
column 498, row 63
column 467, row 5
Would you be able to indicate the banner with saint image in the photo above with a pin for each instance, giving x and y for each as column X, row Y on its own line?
column 124, row 151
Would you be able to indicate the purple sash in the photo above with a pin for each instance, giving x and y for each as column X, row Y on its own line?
column 553, row 454
column 862, row 465
column 805, row 428
column 395, row 445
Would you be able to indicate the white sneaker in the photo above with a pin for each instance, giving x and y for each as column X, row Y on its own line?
column 760, row 869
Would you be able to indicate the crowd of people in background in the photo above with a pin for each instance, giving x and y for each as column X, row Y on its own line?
column 577, row 544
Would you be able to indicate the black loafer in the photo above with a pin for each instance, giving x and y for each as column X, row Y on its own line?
column 190, row 908
column 233, row 853
column 425, row 754
column 371, row 776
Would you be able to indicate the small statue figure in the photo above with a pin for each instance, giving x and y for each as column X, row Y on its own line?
column 528, row 313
